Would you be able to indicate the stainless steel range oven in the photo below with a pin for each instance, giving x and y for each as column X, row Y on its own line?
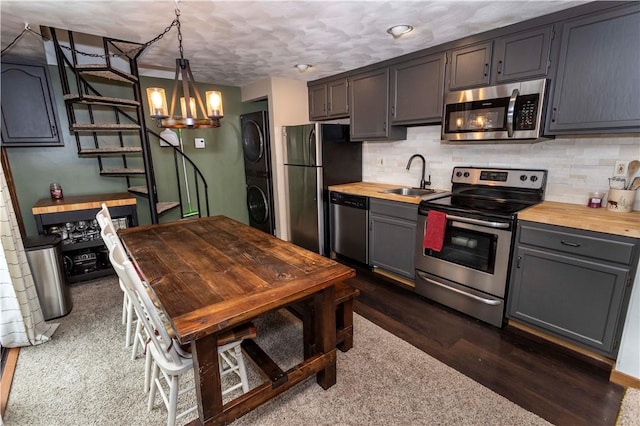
column 470, row 272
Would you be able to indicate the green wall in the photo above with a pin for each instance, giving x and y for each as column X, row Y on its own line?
column 221, row 163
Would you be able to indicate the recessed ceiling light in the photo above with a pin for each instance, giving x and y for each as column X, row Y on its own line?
column 302, row 67
column 399, row 30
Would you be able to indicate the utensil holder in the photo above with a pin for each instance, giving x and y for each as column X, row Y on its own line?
column 620, row 200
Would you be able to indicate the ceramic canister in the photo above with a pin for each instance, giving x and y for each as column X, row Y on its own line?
column 620, row 200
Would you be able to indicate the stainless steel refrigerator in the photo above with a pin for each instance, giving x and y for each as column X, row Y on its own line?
column 317, row 156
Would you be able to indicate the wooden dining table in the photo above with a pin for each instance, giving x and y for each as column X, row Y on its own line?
column 212, row 274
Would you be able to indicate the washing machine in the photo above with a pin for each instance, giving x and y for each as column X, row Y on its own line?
column 256, row 143
column 260, row 203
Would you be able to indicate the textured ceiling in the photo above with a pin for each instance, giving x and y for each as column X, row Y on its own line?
column 238, row 42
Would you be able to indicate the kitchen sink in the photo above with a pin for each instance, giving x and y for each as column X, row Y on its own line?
column 410, row 192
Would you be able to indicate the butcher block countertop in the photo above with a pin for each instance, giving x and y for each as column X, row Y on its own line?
column 372, row 190
column 582, row 217
column 82, row 202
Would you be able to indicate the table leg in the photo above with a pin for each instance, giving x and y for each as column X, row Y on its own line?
column 207, row 376
column 325, row 323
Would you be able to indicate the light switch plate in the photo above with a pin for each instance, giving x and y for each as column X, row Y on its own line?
column 199, row 142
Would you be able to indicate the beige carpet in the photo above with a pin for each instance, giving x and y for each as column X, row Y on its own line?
column 85, row 376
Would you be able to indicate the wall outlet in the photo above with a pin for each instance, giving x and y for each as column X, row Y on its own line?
column 620, row 169
column 199, row 142
column 380, row 161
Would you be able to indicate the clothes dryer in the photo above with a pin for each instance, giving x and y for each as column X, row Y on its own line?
column 256, row 143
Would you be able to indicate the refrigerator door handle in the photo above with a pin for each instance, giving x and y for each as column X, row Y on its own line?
column 311, row 145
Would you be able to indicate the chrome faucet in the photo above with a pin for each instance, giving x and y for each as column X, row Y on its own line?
column 423, row 183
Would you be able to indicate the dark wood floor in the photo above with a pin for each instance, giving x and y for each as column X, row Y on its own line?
column 556, row 384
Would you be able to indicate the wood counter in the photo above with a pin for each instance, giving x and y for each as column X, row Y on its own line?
column 582, row 217
column 82, row 202
column 372, row 190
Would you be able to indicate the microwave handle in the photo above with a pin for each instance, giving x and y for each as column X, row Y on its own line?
column 511, row 112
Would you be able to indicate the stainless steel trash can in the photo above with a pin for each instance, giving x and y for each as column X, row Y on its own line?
column 44, row 254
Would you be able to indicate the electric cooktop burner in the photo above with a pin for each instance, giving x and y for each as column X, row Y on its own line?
column 500, row 192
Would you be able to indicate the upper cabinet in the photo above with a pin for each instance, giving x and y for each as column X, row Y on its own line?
column 470, row 66
column 329, row 100
column 28, row 107
column 520, row 56
column 417, row 90
column 370, row 116
column 597, row 84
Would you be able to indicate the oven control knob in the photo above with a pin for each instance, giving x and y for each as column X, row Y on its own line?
column 458, row 174
column 523, row 177
column 534, row 178
column 466, row 174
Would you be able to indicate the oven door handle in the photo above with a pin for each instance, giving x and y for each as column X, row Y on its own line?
column 511, row 111
column 500, row 225
column 464, row 293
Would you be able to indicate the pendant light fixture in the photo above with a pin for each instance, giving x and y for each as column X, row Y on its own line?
column 190, row 102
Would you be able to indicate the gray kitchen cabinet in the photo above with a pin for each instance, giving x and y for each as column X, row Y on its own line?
column 370, row 113
column 392, row 236
column 28, row 107
column 598, row 82
column 520, row 56
column 470, row 66
column 417, row 90
column 329, row 100
column 573, row 284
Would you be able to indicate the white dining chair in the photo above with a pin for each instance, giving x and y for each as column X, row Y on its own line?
column 106, row 228
column 169, row 360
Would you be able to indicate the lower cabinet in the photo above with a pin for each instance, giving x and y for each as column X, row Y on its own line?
column 573, row 284
column 85, row 256
column 392, row 236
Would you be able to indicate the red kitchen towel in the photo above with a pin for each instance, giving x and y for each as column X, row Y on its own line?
column 434, row 234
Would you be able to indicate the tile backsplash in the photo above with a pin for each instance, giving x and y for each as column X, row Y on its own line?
column 576, row 165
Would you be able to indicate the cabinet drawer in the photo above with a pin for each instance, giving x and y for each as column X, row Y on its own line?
column 579, row 243
column 394, row 208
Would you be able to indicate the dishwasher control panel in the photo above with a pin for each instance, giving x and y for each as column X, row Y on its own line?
column 355, row 201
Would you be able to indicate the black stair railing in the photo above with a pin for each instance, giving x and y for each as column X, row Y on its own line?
column 199, row 181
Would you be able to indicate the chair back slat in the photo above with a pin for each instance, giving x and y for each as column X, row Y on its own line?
column 142, row 303
column 106, row 228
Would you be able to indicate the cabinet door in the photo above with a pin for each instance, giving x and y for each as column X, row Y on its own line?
column 370, row 107
column 369, row 104
column 338, row 98
column 598, row 80
column 578, row 299
column 417, row 90
column 391, row 244
column 318, row 102
column 522, row 56
column 28, row 107
column 470, row 66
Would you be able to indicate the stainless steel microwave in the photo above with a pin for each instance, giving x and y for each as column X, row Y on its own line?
column 505, row 112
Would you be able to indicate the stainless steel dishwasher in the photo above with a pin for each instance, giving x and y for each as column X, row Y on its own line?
column 349, row 223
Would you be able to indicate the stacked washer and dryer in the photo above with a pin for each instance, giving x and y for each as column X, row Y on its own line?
column 257, row 166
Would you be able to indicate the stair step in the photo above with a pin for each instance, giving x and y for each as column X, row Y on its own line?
column 165, row 206
column 111, row 127
column 116, row 150
column 139, row 190
column 130, row 49
column 103, row 71
column 122, row 172
column 101, row 100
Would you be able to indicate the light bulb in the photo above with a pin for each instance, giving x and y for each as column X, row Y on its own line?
column 214, row 104
column 157, row 102
column 192, row 108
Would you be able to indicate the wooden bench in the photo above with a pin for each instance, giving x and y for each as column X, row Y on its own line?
column 344, row 318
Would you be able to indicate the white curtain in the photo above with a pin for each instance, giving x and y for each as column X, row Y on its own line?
column 21, row 320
